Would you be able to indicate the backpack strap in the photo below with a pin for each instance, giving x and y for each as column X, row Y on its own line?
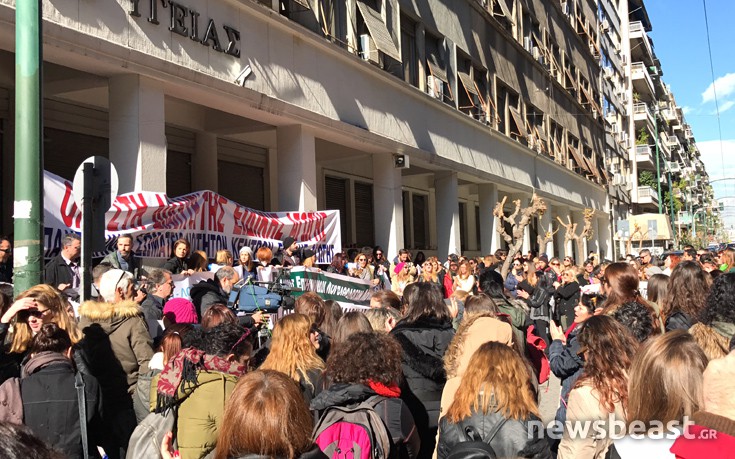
column 471, row 434
column 82, row 402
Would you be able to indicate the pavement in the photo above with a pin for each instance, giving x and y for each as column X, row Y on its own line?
column 549, row 398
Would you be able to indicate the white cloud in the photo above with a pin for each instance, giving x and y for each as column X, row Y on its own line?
column 686, row 110
column 725, row 86
column 725, row 106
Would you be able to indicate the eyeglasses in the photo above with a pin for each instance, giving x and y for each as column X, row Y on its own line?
column 38, row 313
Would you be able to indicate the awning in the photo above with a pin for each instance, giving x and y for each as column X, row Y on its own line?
column 378, row 31
column 435, row 67
column 304, row 3
column 571, row 77
column 504, row 7
column 591, row 167
column 579, row 159
column 519, row 121
column 540, row 133
column 539, row 43
column 467, row 82
column 591, row 100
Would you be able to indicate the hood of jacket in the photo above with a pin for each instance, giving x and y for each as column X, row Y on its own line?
column 44, row 359
column 204, row 287
column 108, row 315
column 341, row 395
column 474, row 331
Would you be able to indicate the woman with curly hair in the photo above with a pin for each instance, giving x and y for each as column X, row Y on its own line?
column 716, row 325
column 293, row 354
column 686, row 296
column 601, row 392
column 40, row 304
column 494, row 396
column 357, row 376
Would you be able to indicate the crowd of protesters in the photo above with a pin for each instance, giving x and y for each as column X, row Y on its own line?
column 449, row 360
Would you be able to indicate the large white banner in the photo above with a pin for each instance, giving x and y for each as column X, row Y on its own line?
column 208, row 220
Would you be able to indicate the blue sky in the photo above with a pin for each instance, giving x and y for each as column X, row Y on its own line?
column 680, row 41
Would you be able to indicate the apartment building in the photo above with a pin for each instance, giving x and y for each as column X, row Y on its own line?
column 411, row 118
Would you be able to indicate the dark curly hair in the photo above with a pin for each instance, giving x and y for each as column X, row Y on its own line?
column 720, row 304
column 687, row 293
column 354, row 362
column 608, row 349
column 224, row 339
column 636, row 318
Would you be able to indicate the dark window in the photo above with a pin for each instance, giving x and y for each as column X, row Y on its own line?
column 420, row 222
column 178, row 173
column 242, row 183
column 64, row 151
column 364, row 215
column 408, row 51
column 336, row 194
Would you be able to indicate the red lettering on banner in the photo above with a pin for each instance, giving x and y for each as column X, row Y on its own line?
column 114, row 225
column 68, row 203
column 236, row 216
column 136, row 221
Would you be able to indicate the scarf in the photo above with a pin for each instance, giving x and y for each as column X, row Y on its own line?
column 392, row 391
column 183, row 368
column 44, row 359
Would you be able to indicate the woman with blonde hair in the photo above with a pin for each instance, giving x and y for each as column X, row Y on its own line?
column 464, row 280
column 293, row 354
column 428, row 272
column 401, row 279
column 494, row 404
column 728, row 260
column 40, row 304
column 665, row 387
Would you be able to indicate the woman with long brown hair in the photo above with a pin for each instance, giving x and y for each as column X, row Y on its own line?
column 179, row 261
column 266, row 417
column 601, row 392
column 665, row 387
column 620, row 285
column 293, row 354
column 494, row 394
column 686, row 296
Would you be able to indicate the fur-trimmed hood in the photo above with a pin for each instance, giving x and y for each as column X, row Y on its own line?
column 713, row 339
column 108, row 315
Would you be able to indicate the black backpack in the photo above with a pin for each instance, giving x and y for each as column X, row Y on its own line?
column 475, row 447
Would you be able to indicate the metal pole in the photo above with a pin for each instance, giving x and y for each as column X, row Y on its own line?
column 87, row 227
column 671, row 200
column 658, row 163
column 28, row 206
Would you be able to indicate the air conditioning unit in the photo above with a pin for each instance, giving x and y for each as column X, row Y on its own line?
column 618, row 180
column 528, row 43
column 608, row 72
column 594, row 113
column 435, row 87
column 536, row 53
column 674, row 166
column 605, row 25
column 368, row 51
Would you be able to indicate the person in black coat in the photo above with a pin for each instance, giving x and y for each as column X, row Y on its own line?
column 357, row 376
column 496, row 405
column 179, row 261
column 50, row 403
column 63, row 271
column 566, row 297
column 424, row 335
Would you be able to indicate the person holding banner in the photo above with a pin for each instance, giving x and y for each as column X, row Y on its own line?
column 179, row 262
column 287, row 255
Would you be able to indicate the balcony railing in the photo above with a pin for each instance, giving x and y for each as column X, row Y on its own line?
column 637, row 32
column 638, row 73
column 644, row 154
column 647, row 195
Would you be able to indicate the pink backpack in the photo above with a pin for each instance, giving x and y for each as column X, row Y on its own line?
column 353, row 432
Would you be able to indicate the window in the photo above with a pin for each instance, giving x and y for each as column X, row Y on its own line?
column 511, row 120
column 502, row 12
column 437, row 84
column 420, row 221
column 373, row 34
column 241, row 183
column 408, row 51
column 535, row 126
column 336, row 193
column 364, row 215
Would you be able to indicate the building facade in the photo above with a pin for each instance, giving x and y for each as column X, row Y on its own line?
column 413, row 119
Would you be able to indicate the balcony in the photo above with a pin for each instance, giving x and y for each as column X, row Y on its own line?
column 642, row 115
column 640, row 44
column 642, row 82
column 663, row 147
column 688, row 133
column 645, row 156
column 647, row 195
column 672, row 142
column 669, row 114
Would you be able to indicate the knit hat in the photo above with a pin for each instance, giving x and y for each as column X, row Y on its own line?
column 544, row 258
column 399, row 267
column 180, row 311
column 288, row 242
column 248, row 250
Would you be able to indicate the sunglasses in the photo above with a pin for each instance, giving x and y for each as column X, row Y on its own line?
column 555, row 264
column 37, row 313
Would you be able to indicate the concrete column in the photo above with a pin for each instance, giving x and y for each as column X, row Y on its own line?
column 387, row 204
column 605, row 238
column 137, row 124
column 204, row 163
column 559, row 244
column 545, row 224
column 489, row 237
column 431, row 205
column 447, row 213
column 272, row 187
column 297, row 169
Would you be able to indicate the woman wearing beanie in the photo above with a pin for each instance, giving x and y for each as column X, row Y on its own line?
column 246, row 267
column 180, row 311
